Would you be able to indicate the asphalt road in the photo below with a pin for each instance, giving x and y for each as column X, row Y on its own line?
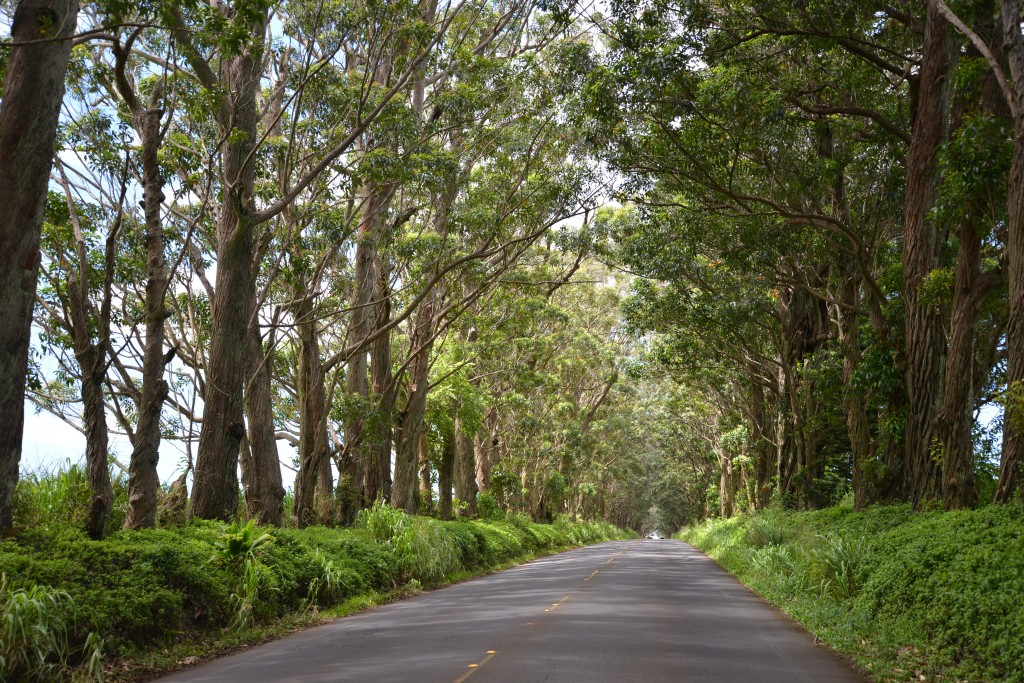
column 632, row 611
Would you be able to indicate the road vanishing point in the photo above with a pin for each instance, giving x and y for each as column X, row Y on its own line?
column 629, row 611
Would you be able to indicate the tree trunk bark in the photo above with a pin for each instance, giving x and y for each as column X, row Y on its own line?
column 143, row 480
column 465, row 470
column 858, row 424
column 261, row 480
column 921, row 249
column 378, row 474
column 955, row 418
column 1013, row 418
column 314, row 450
column 403, row 494
column 215, row 488
column 32, row 96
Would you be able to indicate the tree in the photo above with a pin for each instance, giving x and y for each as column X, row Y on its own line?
column 33, row 89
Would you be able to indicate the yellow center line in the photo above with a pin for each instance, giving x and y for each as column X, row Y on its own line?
column 473, row 667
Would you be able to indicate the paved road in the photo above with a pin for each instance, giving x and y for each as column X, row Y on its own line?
column 626, row 611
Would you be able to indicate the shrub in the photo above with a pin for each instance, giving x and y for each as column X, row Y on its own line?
column 34, row 636
column 238, row 547
column 925, row 596
column 766, row 529
column 841, row 558
column 145, row 589
column 51, row 499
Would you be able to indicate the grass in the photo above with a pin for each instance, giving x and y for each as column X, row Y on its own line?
column 929, row 596
column 160, row 598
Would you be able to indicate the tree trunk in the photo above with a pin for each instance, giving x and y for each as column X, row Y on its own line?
column 261, row 480
column 314, row 450
column 955, row 418
column 94, row 418
column 32, row 96
column 143, row 480
column 446, row 475
column 377, row 480
column 1013, row 418
column 858, row 424
column 403, row 495
column 215, row 489
column 465, row 470
column 358, row 446
column 762, row 441
column 487, row 451
column 92, row 355
column 726, row 486
column 426, row 493
column 921, row 249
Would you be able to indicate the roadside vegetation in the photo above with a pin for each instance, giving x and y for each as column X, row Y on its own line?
column 500, row 263
column 138, row 601
column 928, row 596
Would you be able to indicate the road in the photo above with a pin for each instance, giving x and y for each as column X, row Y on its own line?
column 625, row 611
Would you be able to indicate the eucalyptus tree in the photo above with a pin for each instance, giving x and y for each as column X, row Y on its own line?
column 33, row 88
column 242, row 33
column 826, row 127
column 996, row 36
column 77, row 297
column 145, row 97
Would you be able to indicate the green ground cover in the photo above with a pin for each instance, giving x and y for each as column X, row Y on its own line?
column 143, row 601
column 936, row 596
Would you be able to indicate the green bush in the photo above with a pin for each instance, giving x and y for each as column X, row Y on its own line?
column 766, row 529
column 141, row 590
column 841, row 558
column 34, row 637
column 926, row 596
column 58, row 498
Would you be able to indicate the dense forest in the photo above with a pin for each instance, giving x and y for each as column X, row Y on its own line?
column 646, row 262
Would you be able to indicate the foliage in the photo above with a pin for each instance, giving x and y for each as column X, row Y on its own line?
column 53, row 498
column 34, row 637
column 141, row 589
column 240, row 548
column 926, row 596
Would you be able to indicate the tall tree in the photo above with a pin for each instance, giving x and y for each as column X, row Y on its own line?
column 33, row 90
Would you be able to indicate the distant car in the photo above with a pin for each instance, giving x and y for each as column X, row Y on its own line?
column 653, row 536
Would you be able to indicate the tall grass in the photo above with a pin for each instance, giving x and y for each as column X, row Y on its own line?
column 57, row 497
column 34, row 637
column 51, row 498
column 766, row 529
column 427, row 553
column 239, row 547
column 841, row 558
column 331, row 582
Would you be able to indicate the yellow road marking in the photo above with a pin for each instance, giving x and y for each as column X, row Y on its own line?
column 473, row 667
